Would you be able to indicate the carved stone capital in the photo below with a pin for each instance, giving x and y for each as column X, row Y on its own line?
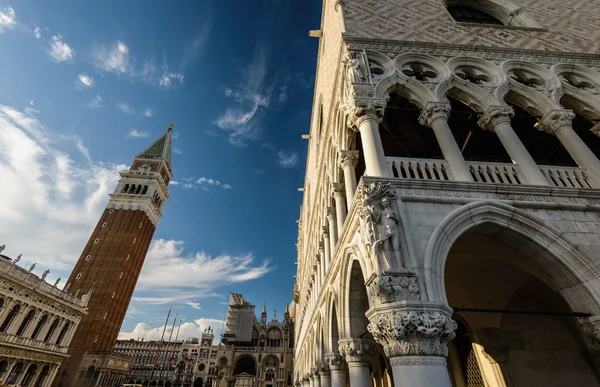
column 370, row 109
column 555, row 120
column 411, row 330
column 392, row 287
column 592, row 329
column 321, row 246
column 349, row 158
column 314, row 372
column 331, row 212
column 357, row 350
column 434, row 111
column 325, row 230
column 306, row 378
column 335, row 361
column 494, row 116
column 338, row 189
column 323, row 369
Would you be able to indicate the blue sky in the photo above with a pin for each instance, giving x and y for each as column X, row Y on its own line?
column 85, row 85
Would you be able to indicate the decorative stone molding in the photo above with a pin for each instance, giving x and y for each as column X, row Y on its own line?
column 391, row 287
column 434, row 111
column 314, row 371
column 335, row 361
column 418, row 360
column 338, row 189
column 349, row 158
column 494, row 116
column 331, row 213
column 356, row 350
column 554, row 120
column 411, row 330
column 592, row 330
column 323, row 368
column 368, row 109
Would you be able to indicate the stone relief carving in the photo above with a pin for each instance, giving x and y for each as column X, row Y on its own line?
column 592, row 330
column 391, row 287
column 356, row 350
column 495, row 116
column 404, row 332
column 434, row 111
column 354, row 67
column 382, row 224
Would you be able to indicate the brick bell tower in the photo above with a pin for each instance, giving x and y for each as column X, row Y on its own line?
column 111, row 262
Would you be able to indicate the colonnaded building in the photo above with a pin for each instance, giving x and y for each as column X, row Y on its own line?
column 468, row 254
column 252, row 353
column 37, row 323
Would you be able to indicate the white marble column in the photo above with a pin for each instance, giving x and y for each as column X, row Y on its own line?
column 311, row 379
column 323, row 260
column 100, row 378
column 417, row 352
column 51, row 376
column 357, row 353
column 349, row 161
column 327, row 245
column 316, row 378
column 367, row 119
column 324, row 374
column 559, row 123
column 306, row 381
column 340, row 206
column 33, row 323
column 16, row 321
column 497, row 120
column 331, row 219
column 337, row 369
column 435, row 116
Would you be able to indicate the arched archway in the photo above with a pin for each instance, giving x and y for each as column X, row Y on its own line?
column 245, row 364
column 357, row 302
column 198, row 382
column 43, row 376
column 513, row 325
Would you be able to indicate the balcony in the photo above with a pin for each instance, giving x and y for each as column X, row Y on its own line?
column 31, row 344
column 485, row 172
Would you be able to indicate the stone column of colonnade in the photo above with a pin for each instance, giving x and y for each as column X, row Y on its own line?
column 337, row 371
column 366, row 119
column 357, row 353
column 560, row 124
column 497, row 119
column 326, row 246
column 340, row 206
column 333, row 234
column 323, row 370
column 414, row 333
column 348, row 162
column 316, row 377
column 435, row 115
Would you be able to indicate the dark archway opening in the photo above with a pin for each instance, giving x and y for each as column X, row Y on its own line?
column 245, row 364
column 198, row 382
column 359, row 302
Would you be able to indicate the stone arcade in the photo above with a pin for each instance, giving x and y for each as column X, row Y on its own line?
column 468, row 252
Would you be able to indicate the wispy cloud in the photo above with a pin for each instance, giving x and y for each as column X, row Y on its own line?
column 187, row 329
column 195, row 305
column 167, row 79
column 148, row 113
column 251, row 96
column 37, row 32
column 204, row 182
column 7, row 19
column 134, row 133
column 287, row 160
column 84, row 80
column 113, row 58
column 79, row 145
column 95, row 103
column 60, row 51
column 125, row 108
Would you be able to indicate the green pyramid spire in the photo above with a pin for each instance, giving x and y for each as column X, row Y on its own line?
column 161, row 148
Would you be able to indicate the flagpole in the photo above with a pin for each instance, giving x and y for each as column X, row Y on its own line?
column 160, row 344
column 167, row 349
column 176, row 336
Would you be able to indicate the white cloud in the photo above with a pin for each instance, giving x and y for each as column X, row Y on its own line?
column 148, row 113
column 59, row 50
column 50, row 204
column 113, row 59
column 287, row 160
column 134, row 133
column 95, row 103
column 195, row 305
column 37, row 32
column 168, row 267
column 167, row 79
column 177, row 151
column 84, row 80
column 203, row 181
column 125, row 108
column 7, row 19
column 251, row 97
column 79, row 145
column 187, row 330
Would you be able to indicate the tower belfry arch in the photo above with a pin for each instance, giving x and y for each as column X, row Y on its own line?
column 453, row 142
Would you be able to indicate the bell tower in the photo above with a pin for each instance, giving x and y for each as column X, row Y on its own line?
column 112, row 260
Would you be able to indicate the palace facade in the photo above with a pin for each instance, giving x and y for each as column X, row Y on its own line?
column 449, row 231
column 37, row 324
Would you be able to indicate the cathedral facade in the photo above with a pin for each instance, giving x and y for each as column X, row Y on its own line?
column 111, row 263
column 449, row 234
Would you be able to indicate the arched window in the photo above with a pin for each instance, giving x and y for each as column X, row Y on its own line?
column 39, row 326
column 145, row 190
column 465, row 14
column 9, row 319
column 139, row 189
column 62, row 334
column 51, row 330
column 132, row 189
column 270, row 375
column 25, row 322
column 125, row 188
